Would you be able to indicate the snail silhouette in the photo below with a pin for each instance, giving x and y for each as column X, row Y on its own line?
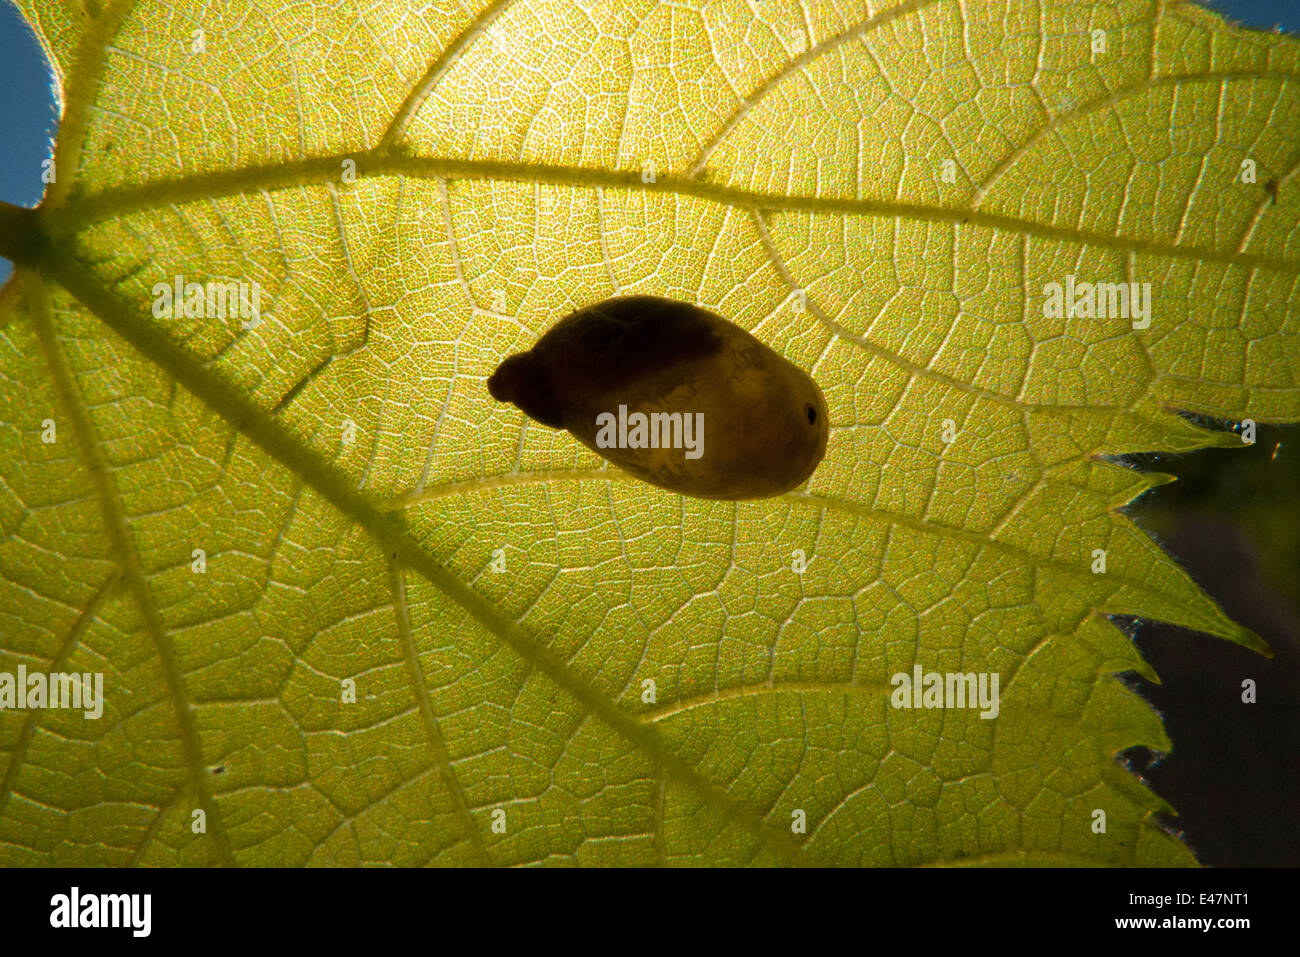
column 673, row 394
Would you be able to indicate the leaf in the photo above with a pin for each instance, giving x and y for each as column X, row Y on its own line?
column 781, row 164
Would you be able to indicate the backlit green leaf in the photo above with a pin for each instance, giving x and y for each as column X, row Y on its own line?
column 883, row 193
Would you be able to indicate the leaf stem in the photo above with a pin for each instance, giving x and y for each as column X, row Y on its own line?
column 21, row 238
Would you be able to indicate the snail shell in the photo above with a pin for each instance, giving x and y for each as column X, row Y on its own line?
column 731, row 418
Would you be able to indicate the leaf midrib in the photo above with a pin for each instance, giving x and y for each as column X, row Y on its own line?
column 120, row 201
column 340, row 490
column 805, row 499
column 122, row 541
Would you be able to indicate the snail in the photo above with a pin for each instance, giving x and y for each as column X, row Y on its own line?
column 673, row 394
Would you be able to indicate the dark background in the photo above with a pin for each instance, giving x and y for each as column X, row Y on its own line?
column 1231, row 520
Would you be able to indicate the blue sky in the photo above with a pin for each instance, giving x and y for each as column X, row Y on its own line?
column 27, row 105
